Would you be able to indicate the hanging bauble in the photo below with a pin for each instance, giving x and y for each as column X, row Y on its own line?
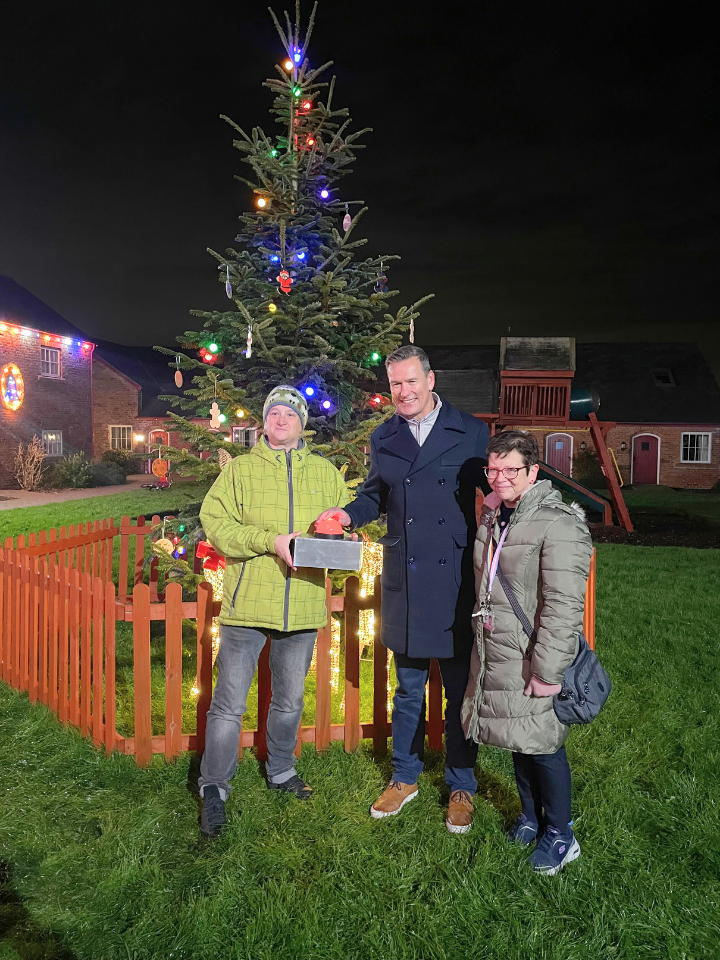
column 285, row 281
column 228, row 285
column 248, row 349
column 412, row 331
column 178, row 378
column 164, row 544
column 347, row 219
column 214, row 416
column 381, row 284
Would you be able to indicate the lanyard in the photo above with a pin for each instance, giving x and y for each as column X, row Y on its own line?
column 496, row 560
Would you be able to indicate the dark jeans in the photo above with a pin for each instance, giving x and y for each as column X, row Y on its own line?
column 543, row 782
column 290, row 657
column 408, row 721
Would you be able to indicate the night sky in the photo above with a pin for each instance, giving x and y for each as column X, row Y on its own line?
column 543, row 168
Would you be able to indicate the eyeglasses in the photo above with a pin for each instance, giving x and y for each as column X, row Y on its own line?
column 510, row 473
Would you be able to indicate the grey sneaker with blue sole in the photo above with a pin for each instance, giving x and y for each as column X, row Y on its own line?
column 554, row 851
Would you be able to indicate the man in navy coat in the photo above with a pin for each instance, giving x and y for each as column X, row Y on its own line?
column 425, row 464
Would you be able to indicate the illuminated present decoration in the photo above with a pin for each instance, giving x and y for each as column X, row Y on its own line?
column 214, row 573
column 12, row 387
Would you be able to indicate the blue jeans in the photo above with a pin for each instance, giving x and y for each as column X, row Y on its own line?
column 408, row 722
column 290, row 657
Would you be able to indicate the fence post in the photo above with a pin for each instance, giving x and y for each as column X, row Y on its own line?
column 173, row 670
column 589, row 613
column 43, row 623
column 322, row 677
column 352, row 664
column 109, row 667
column 74, row 617
column 141, row 674
column 63, row 648
column 3, row 636
column 380, row 679
column 204, row 660
column 124, row 553
column 98, row 605
column 33, row 639
column 85, row 652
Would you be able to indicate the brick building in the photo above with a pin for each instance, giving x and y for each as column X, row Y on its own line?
column 662, row 397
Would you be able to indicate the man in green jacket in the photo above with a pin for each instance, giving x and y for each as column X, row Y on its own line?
column 255, row 508
column 543, row 548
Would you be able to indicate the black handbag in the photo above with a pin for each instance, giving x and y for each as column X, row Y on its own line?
column 586, row 685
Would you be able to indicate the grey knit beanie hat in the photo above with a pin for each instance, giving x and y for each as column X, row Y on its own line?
column 288, row 397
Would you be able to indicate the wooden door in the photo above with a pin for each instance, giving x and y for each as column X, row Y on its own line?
column 558, row 452
column 645, row 455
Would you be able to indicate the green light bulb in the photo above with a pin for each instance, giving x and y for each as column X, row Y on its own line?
column 181, row 528
column 213, row 347
column 296, row 91
column 222, row 418
column 376, row 356
column 273, row 152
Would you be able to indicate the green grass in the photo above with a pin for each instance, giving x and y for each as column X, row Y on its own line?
column 694, row 503
column 103, row 859
column 133, row 504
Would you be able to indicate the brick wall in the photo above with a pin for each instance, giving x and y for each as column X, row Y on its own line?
column 115, row 403
column 673, row 473
column 50, row 403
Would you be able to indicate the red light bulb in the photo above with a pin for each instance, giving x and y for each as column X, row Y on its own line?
column 311, row 141
column 307, row 105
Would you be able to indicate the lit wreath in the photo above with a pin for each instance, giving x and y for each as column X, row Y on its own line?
column 12, row 387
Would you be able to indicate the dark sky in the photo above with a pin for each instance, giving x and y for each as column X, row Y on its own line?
column 548, row 168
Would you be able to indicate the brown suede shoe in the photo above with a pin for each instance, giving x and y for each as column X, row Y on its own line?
column 460, row 812
column 393, row 799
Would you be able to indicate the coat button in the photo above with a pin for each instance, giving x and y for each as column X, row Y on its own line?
column 441, row 560
column 441, row 480
column 411, row 559
column 407, row 480
column 441, row 520
column 410, row 520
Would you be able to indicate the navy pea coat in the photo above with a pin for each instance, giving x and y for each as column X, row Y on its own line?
column 428, row 493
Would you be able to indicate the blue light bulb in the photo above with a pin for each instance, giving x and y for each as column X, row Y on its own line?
column 324, row 194
column 301, row 256
column 326, row 404
column 275, row 258
column 309, row 391
column 297, row 57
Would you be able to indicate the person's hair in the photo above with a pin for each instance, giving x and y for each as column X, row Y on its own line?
column 407, row 353
column 507, row 441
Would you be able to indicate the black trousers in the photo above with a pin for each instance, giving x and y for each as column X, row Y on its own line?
column 543, row 782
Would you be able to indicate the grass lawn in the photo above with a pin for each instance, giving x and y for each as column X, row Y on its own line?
column 133, row 504
column 693, row 503
column 102, row 860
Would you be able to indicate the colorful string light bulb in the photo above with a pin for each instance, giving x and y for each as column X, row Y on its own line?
column 261, row 202
column 326, row 404
column 309, row 391
column 272, row 307
column 288, row 64
column 213, row 347
column 324, row 194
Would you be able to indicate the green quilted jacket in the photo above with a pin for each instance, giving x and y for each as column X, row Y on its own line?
column 546, row 559
column 256, row 497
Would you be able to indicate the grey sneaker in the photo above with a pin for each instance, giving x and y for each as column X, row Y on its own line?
column 554, row 851
column 212, row 817
column 523, row 831
column 294, row 785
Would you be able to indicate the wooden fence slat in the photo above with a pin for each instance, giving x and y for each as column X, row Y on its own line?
column 589, row 613
column 98, row 610
column 108, row 570
column 109, row 667
column 74, row 615
column 173, row 670
column 53, row 634
column 34, row 632
column 264, row 696
column 86, row 558
column 380, row 678
column 204, row 660
column 141, row 674
column 3, row 637
column 139, row 554
column 323, row 702
column 43, row 597
column 435, row 717
column 85, row 652
column 15, row 626
column 24, row 625
column 352, row 664
column 63, row 646
column 124, row 554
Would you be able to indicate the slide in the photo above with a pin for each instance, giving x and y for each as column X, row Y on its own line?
column 582, row 494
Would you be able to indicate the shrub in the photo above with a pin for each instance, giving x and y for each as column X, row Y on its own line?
column 29, row 464
column 72, row 471
column 125, row 459
column 587, row 470
column 106, row 474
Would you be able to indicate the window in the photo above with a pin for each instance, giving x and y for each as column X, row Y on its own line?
column 247, row 436
column 663, row 377
column 50, row 362
column 121, row 438
column 52, row 441
column 695, row 448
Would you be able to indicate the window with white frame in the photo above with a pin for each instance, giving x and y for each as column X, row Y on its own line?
column 247, row 436
column 50, row 365
column 695, row 448
column 121, row 438
column 52, row 441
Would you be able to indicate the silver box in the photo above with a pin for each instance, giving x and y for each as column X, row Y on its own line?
column 331, row 554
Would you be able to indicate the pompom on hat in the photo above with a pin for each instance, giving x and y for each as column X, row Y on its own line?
column 287, row 397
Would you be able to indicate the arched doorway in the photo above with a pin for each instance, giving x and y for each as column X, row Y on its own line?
column 559, row 452
column 645, row 459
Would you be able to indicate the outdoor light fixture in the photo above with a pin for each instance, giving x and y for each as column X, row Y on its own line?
column 139, row 437
column 623, row 446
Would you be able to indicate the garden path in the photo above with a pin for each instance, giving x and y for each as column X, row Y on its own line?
column 25, row 498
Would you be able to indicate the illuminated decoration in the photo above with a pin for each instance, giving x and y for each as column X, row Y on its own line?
column 288, row 64
column 12, row 387
column 222, row 418
column 372, row 564
column 206, row 356
column 214, row 573
column 310, row 141
column 297, row 91
column 301, row 255
column 273, row 152
column 275, row 258
column 324, row 194
column 29, row 332
column 240, row 414
column 261, row 202
column 377, row 399
column 334, row 654
column 272, row 307
column 375, row 357
column 213, row 347
column 309, row 391
column 326, row 404
column 138, row 437
column 307, row 105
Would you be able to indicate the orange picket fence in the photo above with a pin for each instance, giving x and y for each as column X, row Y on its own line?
column 59, row 606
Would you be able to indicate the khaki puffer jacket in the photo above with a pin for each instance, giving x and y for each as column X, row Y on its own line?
column 256, row 497
column 546, row 559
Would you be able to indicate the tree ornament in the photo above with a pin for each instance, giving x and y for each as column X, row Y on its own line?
column 248, row 350
column 164, row 544
column 381, row 283
column 272, row 307
column 228, row 285
column 178, row 372
column 214, row 416
column 347, row 219
column 412, row 331
column 285, row 281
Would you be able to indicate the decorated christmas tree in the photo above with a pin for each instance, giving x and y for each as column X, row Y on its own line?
column 304, row 308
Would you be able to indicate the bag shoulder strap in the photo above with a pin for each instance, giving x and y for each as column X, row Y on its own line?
column 515, row 604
